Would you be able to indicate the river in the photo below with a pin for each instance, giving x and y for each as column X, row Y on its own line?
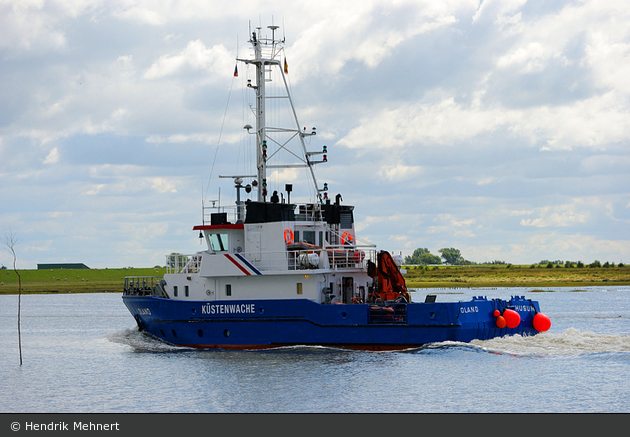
column 82, row 353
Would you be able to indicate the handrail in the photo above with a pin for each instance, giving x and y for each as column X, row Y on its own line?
column 332, row 257
column 140, row 285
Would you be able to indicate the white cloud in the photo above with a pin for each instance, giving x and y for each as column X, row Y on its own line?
column 532, row 58
column 594, row 122
column 497, row 9
column 443, row 109
column 195, row 56
column 578, row 212
column 443, row 122
column 163, row 185
column 608, row 54
column 399, row 172
column 284, row 176
column 52, row 157
column 366, row 31
column 552, row 219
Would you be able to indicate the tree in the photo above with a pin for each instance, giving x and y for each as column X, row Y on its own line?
column 422, row 256
column 10, row 241
column 413, row 259
column 452, row 255
column 429, row 258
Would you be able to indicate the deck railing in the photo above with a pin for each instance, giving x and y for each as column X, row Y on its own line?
column 333, row 257
column 140, row 285
column 303, row 212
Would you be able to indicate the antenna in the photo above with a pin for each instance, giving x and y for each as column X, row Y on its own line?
column 203, row 215
column 273, row 32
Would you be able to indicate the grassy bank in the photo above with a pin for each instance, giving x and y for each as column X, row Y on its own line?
column 112, row 280
column 514, row 276
column 71, row 280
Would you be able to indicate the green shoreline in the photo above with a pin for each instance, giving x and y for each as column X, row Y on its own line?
column 539, row 278
column 72, row 280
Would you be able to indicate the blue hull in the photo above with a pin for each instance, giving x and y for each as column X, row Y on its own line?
column 275, row 323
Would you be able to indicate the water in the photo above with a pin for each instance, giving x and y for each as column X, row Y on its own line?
column 83, row 354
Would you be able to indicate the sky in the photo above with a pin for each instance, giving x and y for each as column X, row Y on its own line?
column 499, row 128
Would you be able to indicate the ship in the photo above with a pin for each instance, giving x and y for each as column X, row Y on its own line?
column 276, row 273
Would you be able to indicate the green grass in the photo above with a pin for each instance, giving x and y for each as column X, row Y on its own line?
column 112, row 280
column 514, row 276
column 72, row 280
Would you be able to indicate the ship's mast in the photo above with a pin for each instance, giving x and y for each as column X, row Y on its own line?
column 261, row 142
column 267, row 56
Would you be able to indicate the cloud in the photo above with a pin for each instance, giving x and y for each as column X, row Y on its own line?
column 529, row 57
column 52, row 157
column 163, row 185
column 578, row 213
column 496, row 9
column 497, row 127
column 553, row 217
column 367, row 32
column 594, row 122
column 399, row 172
column 196, row 57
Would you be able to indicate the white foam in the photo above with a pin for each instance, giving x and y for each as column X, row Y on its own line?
column 570, row 342
column 141, row 341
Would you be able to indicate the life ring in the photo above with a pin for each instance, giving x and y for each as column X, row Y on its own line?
column 288, row 236
column 346, row 237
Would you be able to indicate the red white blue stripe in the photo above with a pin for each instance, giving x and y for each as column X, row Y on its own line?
column 242, row 264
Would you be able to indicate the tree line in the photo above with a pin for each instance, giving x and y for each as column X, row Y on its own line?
column 422, row 256
column 452, row 256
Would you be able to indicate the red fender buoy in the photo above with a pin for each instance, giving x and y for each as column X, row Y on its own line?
column 497, row 313
column 500, row 322
column 541, row 322
column 512, row 318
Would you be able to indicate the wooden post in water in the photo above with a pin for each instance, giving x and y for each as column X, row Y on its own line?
column 10, row 241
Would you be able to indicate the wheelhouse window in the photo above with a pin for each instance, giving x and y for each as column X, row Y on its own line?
column 218, row 242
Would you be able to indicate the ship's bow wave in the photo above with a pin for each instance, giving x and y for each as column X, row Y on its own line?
column 142, row 342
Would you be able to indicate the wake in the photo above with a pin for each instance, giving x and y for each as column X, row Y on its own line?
column 571, row 342
column 142, row 342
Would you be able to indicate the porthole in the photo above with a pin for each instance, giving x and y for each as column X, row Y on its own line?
column 344, row 314
column 200, row 333
column 261, row 310
column 162, row 332
column 226, row 333
column 174, row 333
